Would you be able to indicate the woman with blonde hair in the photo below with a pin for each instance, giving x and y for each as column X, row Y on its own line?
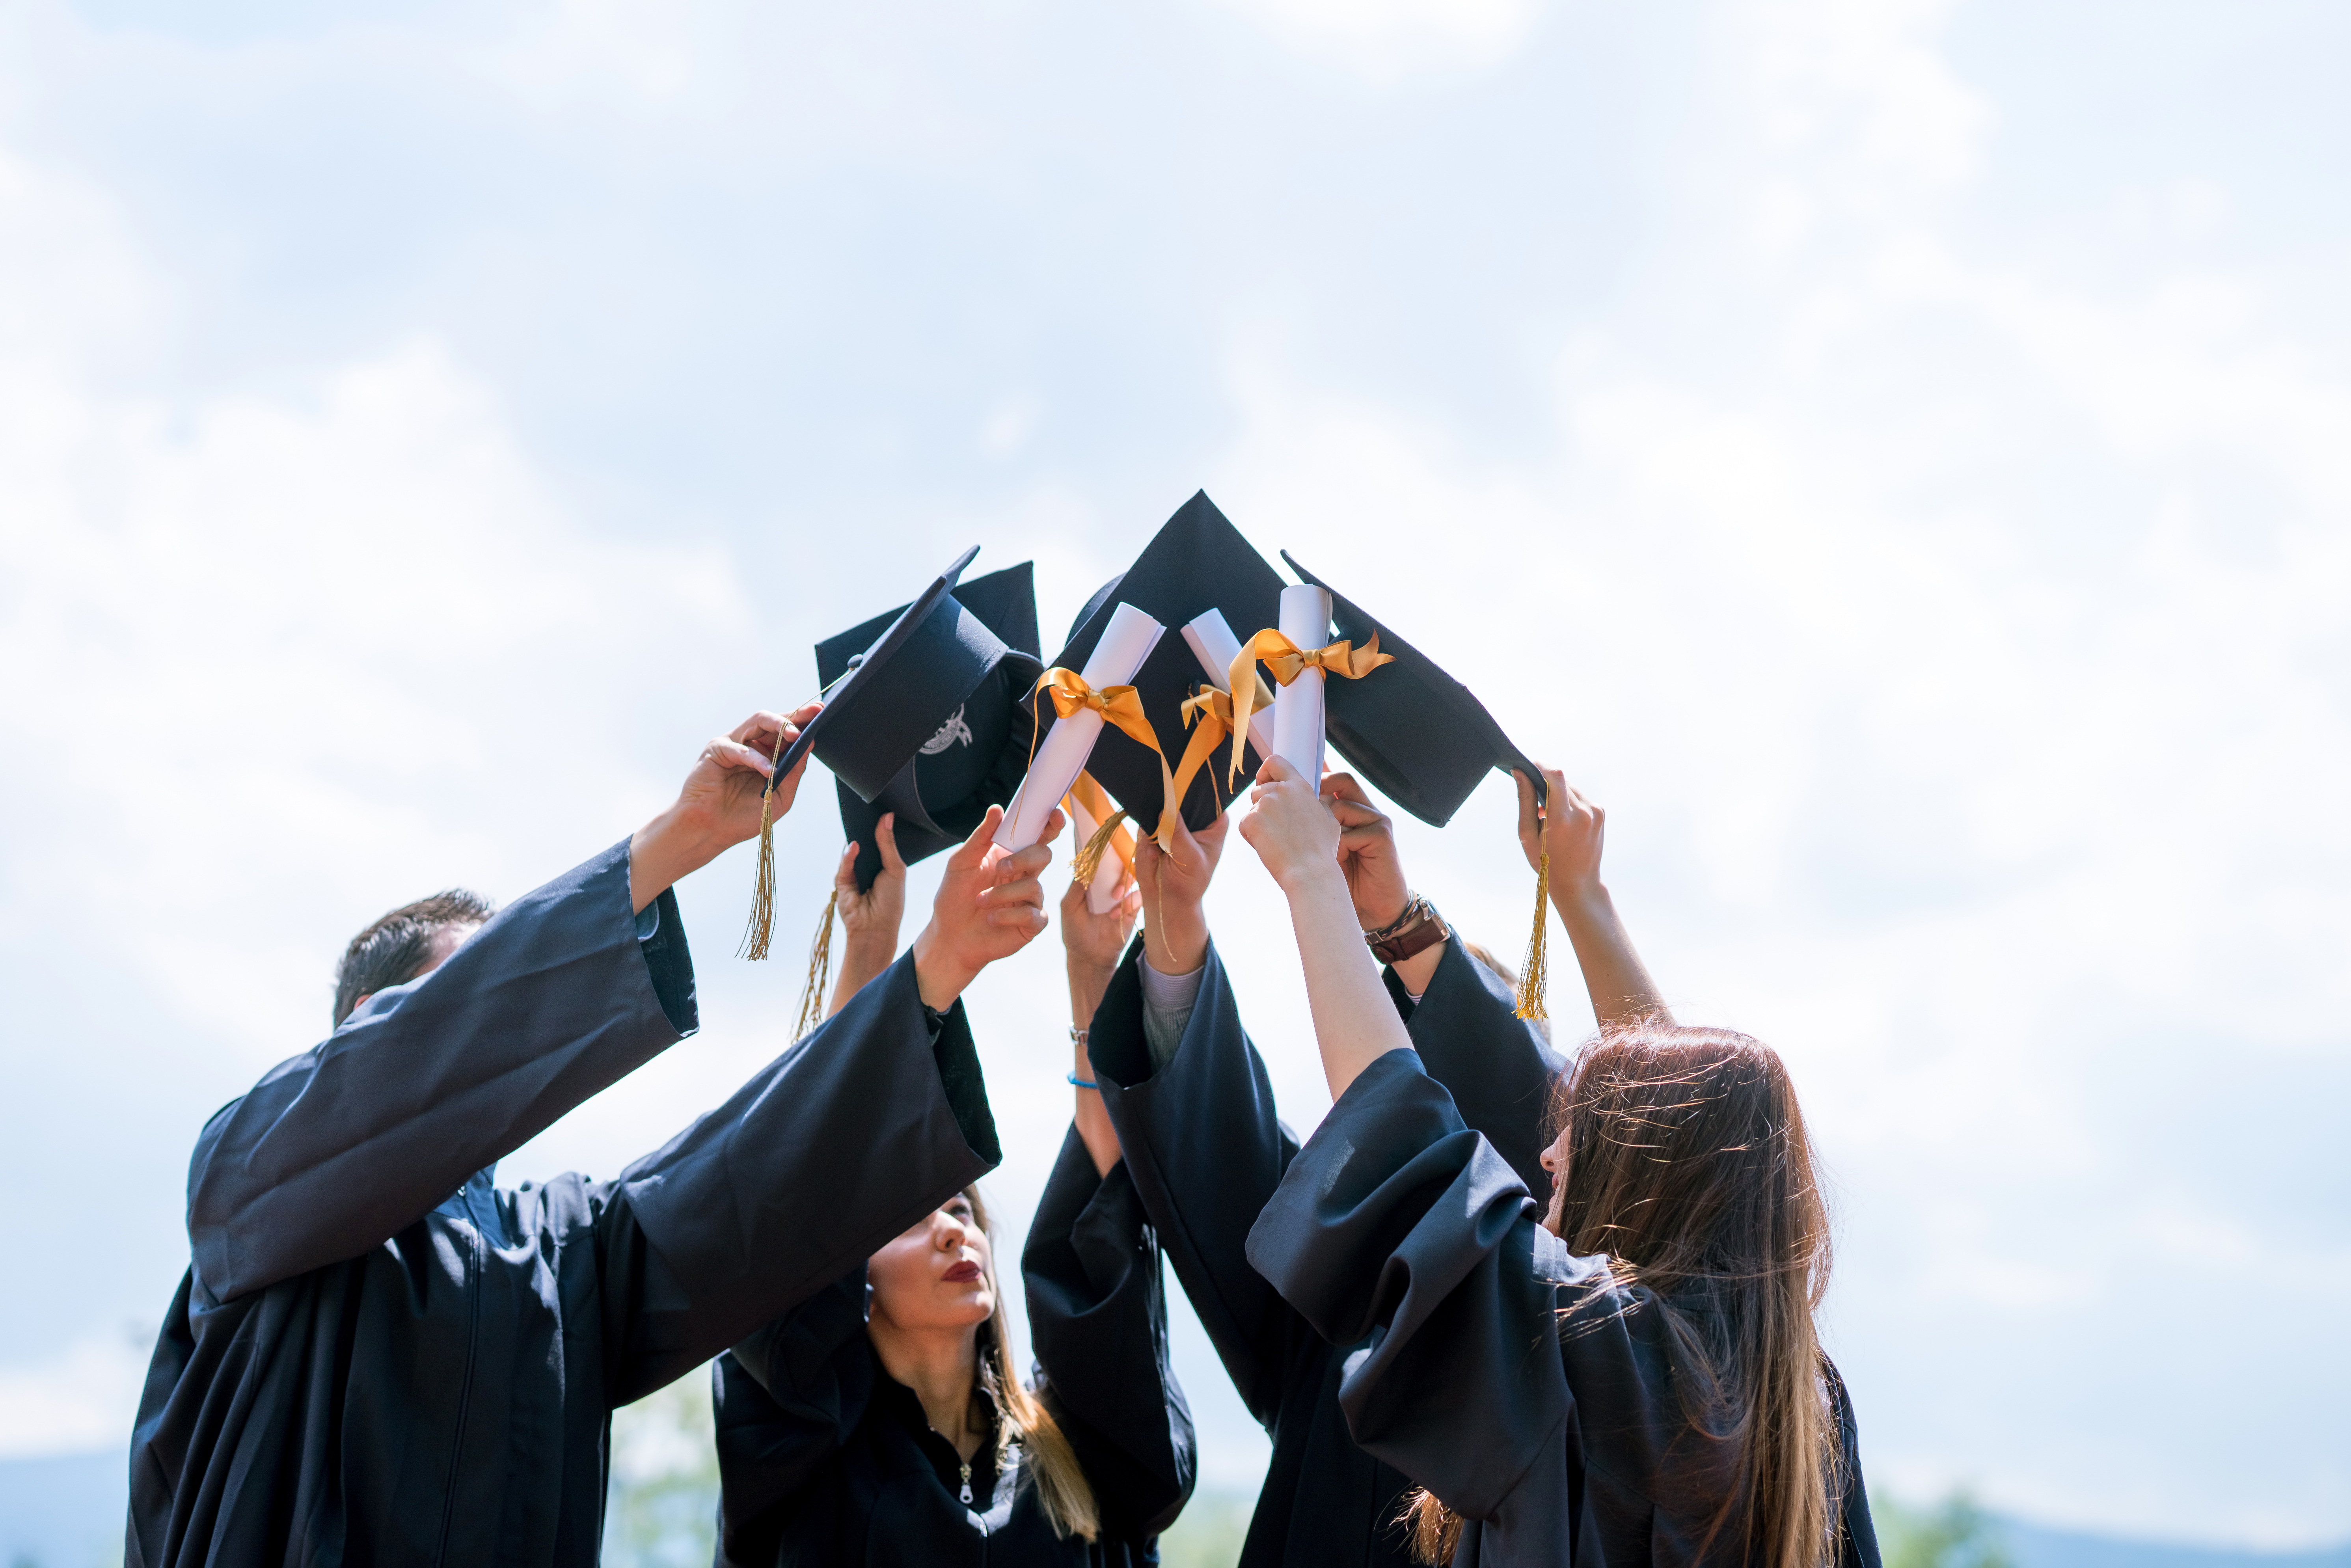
column 1631, row 1377
column 883, row 1422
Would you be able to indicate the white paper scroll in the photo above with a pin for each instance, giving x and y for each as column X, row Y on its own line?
column 1298, row 706
column 1062, row 756
column 1101, row 893
column 1214, row 644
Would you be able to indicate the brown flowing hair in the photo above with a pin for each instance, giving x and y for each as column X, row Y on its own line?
column 1688, row 1169
column 1021, row 1417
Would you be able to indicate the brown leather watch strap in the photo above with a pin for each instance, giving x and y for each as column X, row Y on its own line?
column 1418, row 929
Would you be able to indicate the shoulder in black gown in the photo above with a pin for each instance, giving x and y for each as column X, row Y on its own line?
column 375, row 1357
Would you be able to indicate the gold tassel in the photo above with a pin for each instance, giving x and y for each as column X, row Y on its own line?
column 1531, row 979
column 820, row 971
column 1089, row 859
column 763, row 885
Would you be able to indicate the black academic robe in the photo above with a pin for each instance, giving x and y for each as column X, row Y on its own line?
column 374, row 1360
column 824, row 1460
column 1206, row 1152
column 1558, row 1444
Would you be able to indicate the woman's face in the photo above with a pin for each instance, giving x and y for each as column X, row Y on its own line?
column 934, row 1276
column 1554, row 1160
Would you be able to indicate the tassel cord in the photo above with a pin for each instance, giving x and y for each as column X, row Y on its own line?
column 820, row 971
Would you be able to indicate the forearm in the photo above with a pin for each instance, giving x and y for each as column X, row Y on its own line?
column 1354, row 1022
column 863, row 956
column 1613, row 976
column 671, row 846
column 1088, row 985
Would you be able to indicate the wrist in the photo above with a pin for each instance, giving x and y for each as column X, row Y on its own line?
column 1383, row 909
column 939, row 976
column 1579, row 900
column 674, row 845
column 1178, row 942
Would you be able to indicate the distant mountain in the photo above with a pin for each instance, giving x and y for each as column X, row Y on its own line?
column 2038, row 1546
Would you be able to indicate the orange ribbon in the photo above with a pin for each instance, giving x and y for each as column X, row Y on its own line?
column 1286, row 661
column 1120, row 706
column 1209, row 717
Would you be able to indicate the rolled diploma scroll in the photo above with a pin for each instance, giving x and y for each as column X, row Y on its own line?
column 1125, row 643
column 1298, row 706
column 1101, row 893
column 1214, row 644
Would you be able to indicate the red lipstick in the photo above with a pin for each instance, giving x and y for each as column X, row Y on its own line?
column 963, row 1272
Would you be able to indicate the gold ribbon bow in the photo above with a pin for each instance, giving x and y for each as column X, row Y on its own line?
column 1120, row 706
column 1209, row 717
column 1285, row 661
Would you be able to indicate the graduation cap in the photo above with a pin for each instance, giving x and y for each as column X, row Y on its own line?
column 970, row 759
column 896, row 686
column 1421, row 739
column 1196, row 562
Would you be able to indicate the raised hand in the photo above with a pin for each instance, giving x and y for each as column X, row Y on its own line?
column 991, row 905
column 718, row 807
column 1571, row 830
column 1095, row 942
column 1292, row 830
column 1367, row 853
column 870, row 919
column 1174, row 882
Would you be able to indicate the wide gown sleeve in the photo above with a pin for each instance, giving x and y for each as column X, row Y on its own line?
column 1494, row 1064
column 1396, row 1217
column 837, row 1146
column 786, row 1399
column 1205, row 1150
column 337, row 1149
column 1098, row 1322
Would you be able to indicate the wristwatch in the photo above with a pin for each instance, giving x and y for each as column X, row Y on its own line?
column 1417, row 930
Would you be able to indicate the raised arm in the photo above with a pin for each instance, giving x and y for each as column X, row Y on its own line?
column 869, row 920
column 1194, row 1113
column 1571, row 829
column 1091, row 945
column 838, row 1144
column 785, row 1400
column 1098, row 1318
column 1461, row 1015
column 553, row 999
column 1297, row 837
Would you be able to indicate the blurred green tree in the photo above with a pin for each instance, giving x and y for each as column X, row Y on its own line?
column 661, row 1510
column 1954, row 1533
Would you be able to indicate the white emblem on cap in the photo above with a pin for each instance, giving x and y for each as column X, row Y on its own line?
column 955, row 732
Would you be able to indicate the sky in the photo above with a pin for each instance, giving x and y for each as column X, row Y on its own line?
column 1897, row 456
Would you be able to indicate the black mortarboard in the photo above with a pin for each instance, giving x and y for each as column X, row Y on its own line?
column 1196, row 562
column 1412, row 732
column 957, row 746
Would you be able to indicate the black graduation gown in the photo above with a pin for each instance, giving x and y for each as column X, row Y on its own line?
column 356, row 1371
column 1206, row 1152
column 823, row 1459
column 1399, row 1223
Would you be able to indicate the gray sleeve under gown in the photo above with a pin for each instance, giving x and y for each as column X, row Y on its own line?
column 1399, row 1226
column 1207, row 1154
column 823, row 1459
column 376, row 1359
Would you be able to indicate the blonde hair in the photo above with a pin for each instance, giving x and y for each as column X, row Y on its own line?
column 1062, row 1490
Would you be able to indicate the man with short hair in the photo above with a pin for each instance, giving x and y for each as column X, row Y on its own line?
column 378, row 1356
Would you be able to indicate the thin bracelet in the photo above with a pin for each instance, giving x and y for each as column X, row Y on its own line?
column 1077, row 1034
column 1085, row 1082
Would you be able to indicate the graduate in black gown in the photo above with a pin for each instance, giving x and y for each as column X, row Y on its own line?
column 1193, row 1112
column 1630, row 1378
column 378, row 1356
column 881, row 1422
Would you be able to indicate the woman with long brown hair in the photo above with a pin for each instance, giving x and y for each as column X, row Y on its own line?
column 883, row 1422
column 1634, row 1379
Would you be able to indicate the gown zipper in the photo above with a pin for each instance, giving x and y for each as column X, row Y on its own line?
column 966, row 1482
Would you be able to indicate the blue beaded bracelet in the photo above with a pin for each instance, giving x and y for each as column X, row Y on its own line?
column 1083, row 1083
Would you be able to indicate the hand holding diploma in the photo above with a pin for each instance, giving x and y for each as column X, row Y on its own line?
column 991, row 905
column 1125, row 643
